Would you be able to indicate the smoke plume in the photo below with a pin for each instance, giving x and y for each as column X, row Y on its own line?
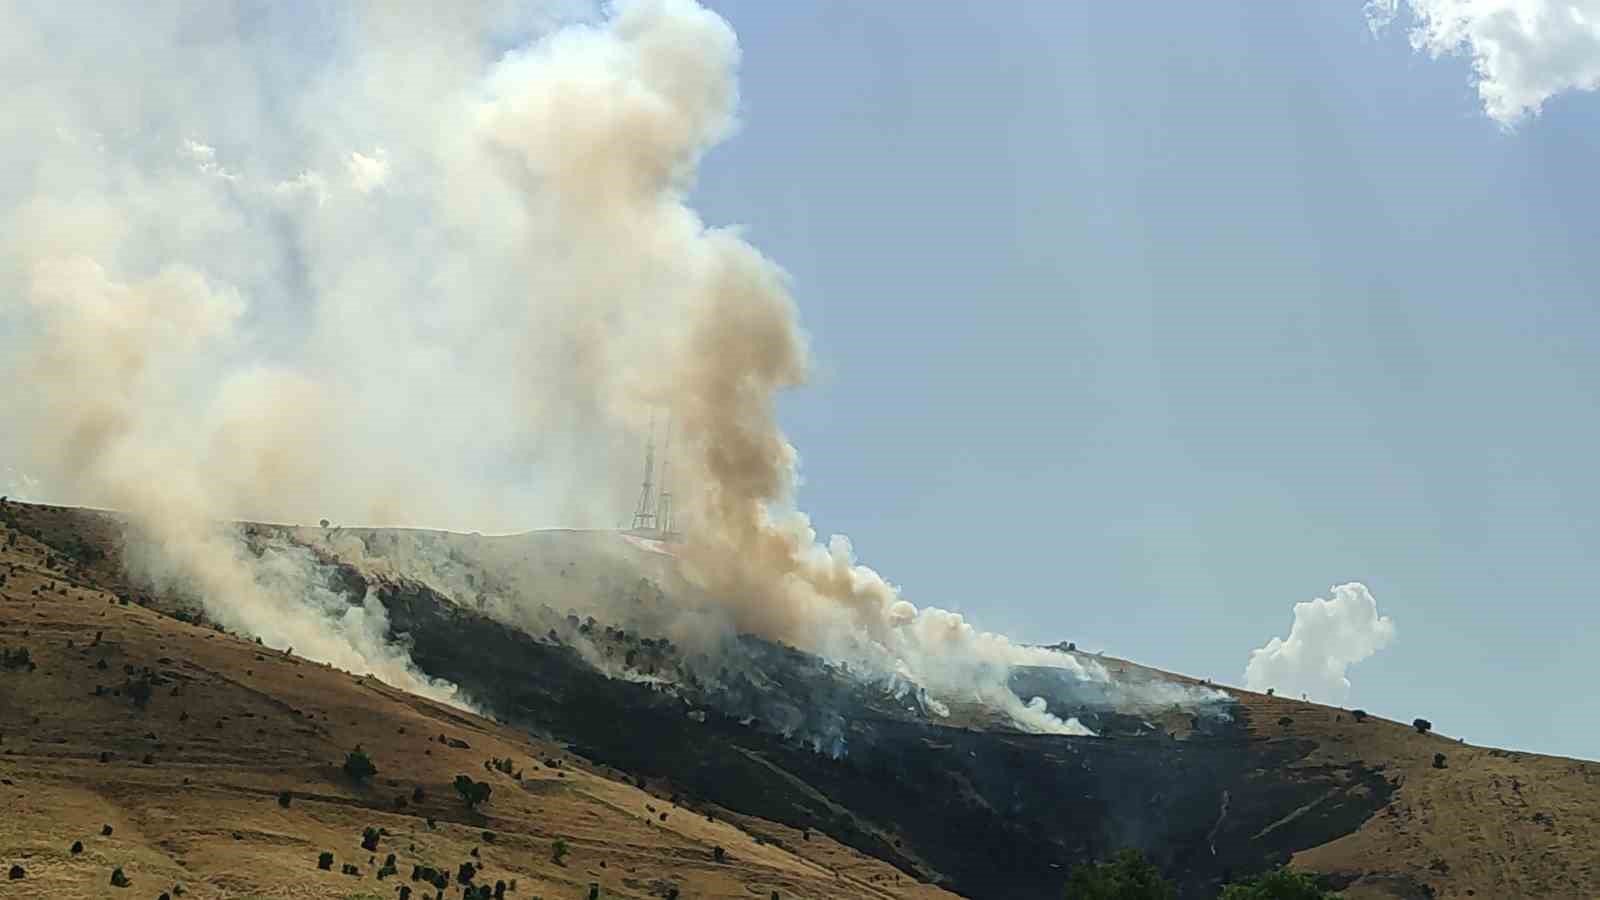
column 436, row 269
column 1326, row 639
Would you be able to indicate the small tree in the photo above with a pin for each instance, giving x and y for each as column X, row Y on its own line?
column 1358, row 714
column 283, row 799
column 358, row 765
column 369, row 839
column 1438, row 761
column 325, row 861
column 1279, row 884
column 118, row 879
column 473, row 792
column 558, row 851
column 1127, row 876
column 1423, row 726
column 466, row 873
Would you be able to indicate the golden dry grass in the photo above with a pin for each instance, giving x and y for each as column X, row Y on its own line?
column 190, row 785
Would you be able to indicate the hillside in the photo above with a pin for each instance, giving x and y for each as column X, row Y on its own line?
column 814, row 783
column 189, row 785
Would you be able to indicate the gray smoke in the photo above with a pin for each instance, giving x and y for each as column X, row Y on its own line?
column 404, row 275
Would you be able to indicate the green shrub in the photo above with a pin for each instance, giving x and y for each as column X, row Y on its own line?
column 1279, row 884
column 473, row 792
column 1127, row 876
column 358, row 765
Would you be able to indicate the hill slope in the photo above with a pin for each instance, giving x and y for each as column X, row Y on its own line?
column 851, row 791
column 189, row 784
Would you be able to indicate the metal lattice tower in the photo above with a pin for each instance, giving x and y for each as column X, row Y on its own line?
column 664, row 504
column 644, row 515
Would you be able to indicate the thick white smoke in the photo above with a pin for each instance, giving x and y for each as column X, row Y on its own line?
column 377, row 267
column 1326, row 639
column 1523, row 51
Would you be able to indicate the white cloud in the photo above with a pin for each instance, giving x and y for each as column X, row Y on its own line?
column 368, row 173
column 1328, row 636
column 1523, row 51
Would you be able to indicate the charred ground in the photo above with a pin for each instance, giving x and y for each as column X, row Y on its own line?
column 803, row 754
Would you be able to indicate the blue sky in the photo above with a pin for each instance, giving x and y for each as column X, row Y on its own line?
column 1137, row 329
column 1133, row 326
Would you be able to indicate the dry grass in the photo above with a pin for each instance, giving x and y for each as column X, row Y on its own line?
column 1491, row 824
column 232, row 724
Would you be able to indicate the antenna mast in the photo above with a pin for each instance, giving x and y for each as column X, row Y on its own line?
column 644, row 515
column 664, row 506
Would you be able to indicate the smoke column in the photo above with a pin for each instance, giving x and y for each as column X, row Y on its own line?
column 411, row 276
column 1327, row 638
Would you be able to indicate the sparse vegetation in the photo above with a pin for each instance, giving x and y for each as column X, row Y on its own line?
column 558, row 851
column 358, row 765
column 1127, row 876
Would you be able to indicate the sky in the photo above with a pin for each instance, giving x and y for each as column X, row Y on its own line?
column 1137, row 330
column 1247, row 341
